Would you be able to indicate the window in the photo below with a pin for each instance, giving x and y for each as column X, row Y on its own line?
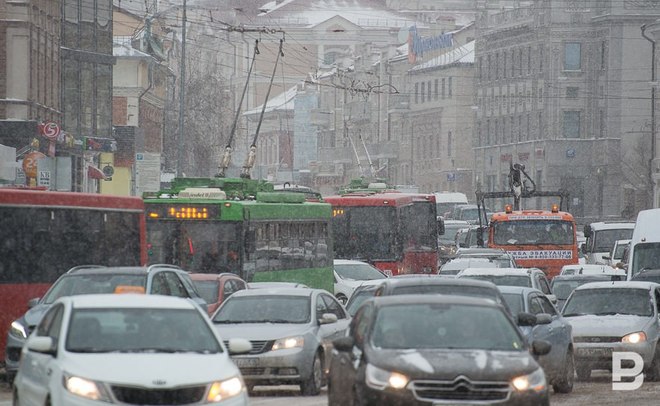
column 443, row 88
column 547, row 306
column 416, row 93
column 572, row 124
column 535, row 305
column 572, row 56
column 449, row 89
column 428, row 91
column 603, row 55
column 334, row 307
column 449, row 141
column 572, row 92
column 321, row 308
column 435, row 92
column 423, row 91
column 541, row 58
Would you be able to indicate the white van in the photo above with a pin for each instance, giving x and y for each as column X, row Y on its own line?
column 644, row 250
column 445, row 201
column 601, row 237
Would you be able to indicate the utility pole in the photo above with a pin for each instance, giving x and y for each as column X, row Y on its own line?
column 182, row 100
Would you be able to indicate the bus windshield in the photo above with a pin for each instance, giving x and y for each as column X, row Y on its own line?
column 533, row 232
column 366, row 232
column 201, row 247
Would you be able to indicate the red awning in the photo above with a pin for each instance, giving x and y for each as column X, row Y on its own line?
column 95, row 173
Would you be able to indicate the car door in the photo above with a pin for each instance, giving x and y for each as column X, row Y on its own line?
column 337, row 309
column 544, row 286
column 36, row 368
column 345, row 365
column 553, row 333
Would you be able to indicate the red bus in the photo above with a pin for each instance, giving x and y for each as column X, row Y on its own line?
column 44, row 233
column 396, row 232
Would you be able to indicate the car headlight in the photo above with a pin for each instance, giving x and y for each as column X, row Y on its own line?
column 288, row 343
column 86, row 388
column 534, row 381
column 634, row 338
column 380, row 379
column 18, row 330
column 222, row 390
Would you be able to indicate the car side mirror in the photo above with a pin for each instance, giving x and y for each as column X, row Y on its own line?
column 543, row 318
column 583, row 248
column 607, row 257
column 328, row 318
column 45, row 345
column 239, row 346
column 344, row 344
column 552, row 298
column 525, row 319
column 32, row 302
column 541, row 347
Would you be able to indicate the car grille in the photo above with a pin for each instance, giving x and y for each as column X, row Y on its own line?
column 460, row 389
column 144, row 396
column 586, row 339
column 258, row 347
column 252, row 371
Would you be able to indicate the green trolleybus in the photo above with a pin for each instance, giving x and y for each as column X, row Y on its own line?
column 243, row 226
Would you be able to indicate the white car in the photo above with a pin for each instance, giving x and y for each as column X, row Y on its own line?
column 526, row 277
column 591, row 269
column 127, row 349
column 349, row 274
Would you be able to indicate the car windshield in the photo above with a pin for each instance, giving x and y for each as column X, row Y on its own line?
column 264, row 309
column 79, row 284
column 435, row 326
column 358, row 272
column 140, row 330
column 208, row 290
column 504, row 280
column 603, row 240
column 609, row 302
column 358, row 298
column 515, row 302
column 450, row 233
column 563, row 289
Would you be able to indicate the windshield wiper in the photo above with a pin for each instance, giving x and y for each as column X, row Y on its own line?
column 156, row 349
column 575, row 314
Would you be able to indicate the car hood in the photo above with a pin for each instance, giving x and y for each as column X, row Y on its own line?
column 151, row 370
column 261, row 331
column 609, row 326
column 447, row 364
column 34, row 314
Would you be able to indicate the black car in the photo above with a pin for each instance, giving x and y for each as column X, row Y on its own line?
column 435, row 349
column 563, row 285
column 414, row 285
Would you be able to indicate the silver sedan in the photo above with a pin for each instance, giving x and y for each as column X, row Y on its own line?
column 291, row 331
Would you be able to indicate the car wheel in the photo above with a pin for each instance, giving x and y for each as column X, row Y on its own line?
column 342, row 299
column 565, row 383
column 583, row 373
column 14, row 398
column 312, row 385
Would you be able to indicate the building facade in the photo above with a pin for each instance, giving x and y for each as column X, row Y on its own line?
column 29, row 69
column 562, row 87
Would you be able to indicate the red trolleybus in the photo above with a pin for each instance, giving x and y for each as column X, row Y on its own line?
column 396, row 232
column 45, row 233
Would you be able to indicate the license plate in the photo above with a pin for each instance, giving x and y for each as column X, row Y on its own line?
column 593, row 352
column 246, row 362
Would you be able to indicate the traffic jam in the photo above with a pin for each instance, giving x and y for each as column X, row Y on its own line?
column 240, row 293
